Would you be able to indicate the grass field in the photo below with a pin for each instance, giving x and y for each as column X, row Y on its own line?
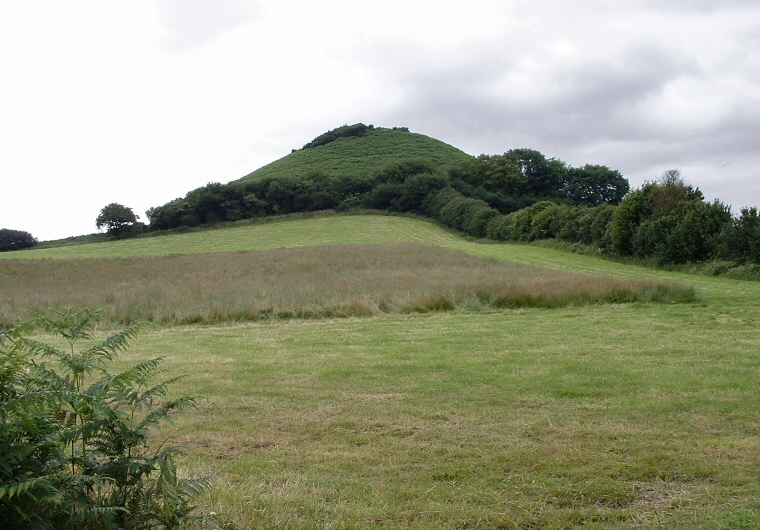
column 639, row 415
column 311, row 282
column 285, row 233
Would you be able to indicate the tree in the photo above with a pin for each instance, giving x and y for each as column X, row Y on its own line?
column 116, row 218
column 668, row 221
column 543, row 176
column 15, row 239
column 503, row 174
column 740, row 240
column 595, row 185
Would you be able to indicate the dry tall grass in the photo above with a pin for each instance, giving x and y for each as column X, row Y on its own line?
column 337, row 281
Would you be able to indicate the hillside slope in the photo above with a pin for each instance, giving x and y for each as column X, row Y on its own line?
column 361, row 156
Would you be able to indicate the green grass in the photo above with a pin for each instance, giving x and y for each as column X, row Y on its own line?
column 284, row 233
column 599, row 416
column 362, row 156
column 609, row 417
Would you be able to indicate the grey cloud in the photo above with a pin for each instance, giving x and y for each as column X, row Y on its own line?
column 697, row 6
column 597, row 100
column 191, row 23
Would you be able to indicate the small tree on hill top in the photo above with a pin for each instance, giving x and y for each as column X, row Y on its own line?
column 115, row 218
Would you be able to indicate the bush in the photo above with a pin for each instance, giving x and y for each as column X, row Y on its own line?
column 417, row 188
column 435, row 202
column 522, row 220
column 15, row 239
column 346, row 131
column 469, row 215
column 499, row 228
column 74, row 449
column 740, row 239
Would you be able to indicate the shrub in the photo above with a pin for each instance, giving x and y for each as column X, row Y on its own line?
column 435, row 202
column 345, row 131
column 74, row 449
column 543, row 225
column 469, row 215
column 522, row 220
column 499, row 228
column 15, row 239
column 740, row 239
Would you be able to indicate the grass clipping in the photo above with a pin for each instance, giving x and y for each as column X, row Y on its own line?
column 315, row 282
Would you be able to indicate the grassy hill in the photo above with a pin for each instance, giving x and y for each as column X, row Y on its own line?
column 363, row 155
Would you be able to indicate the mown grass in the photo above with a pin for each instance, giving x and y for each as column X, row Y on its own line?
column 597, row 416
column 312, row 282
column 279, row 233
column 624, row 416
column 362, row 156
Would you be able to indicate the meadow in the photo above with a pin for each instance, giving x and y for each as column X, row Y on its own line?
column 314, row 282
column 627, row 415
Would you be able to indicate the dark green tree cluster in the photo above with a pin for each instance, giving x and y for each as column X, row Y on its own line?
column 521, row 177
column 117, row 219
column 15, row 239
column 548, row 220
column 670, row 222
column 345, row 131
column 666, row 221
column 217, row 203
column 74, row 438
column 740, row 242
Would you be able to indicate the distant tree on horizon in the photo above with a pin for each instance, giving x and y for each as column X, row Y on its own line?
column 15, row 239
column 115, row 218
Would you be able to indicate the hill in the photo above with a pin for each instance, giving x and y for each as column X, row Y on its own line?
column 362, row 155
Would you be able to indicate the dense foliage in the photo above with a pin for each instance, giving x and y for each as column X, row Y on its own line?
column 346, row 131
column 667, row 221
column 74, row 448
column 116, row 218
column 15, row 239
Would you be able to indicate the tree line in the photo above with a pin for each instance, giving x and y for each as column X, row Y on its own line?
column 519, row 196
column 505, row 182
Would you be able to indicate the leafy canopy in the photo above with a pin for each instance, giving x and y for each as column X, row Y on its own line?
column 115, row 218
column 15, row 239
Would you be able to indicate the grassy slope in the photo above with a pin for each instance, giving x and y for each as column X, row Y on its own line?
column 362, row 156
column 628, row 416
column 327, row 230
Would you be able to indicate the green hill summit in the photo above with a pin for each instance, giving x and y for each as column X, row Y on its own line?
column 360, row 150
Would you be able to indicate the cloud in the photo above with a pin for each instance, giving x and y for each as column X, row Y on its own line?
column 697, row 6
column 191, row 23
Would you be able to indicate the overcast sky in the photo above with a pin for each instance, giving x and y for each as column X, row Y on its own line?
column 139, row 102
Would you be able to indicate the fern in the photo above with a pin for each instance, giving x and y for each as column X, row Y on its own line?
column 74, row 439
